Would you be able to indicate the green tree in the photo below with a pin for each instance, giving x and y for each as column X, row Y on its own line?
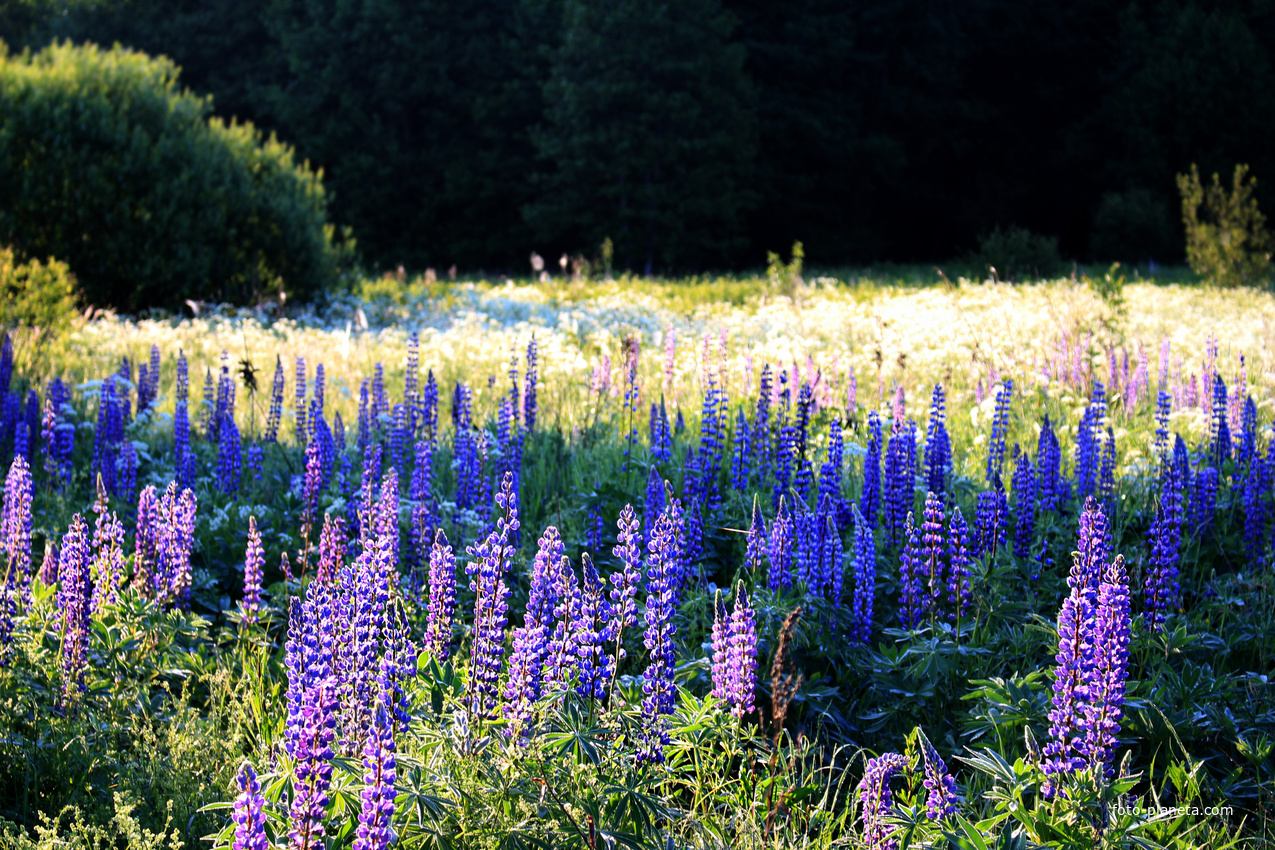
column 649, row 134
column 1229, row 243
column 107, row 166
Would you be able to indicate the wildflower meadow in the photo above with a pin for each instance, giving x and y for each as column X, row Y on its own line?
column 733, row 563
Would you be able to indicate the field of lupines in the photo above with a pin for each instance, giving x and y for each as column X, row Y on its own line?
column 644, row 565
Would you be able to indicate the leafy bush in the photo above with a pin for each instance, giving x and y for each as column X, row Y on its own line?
column 105, row 164
column 35, row 294
column 1015, row 253
column 1229, row 245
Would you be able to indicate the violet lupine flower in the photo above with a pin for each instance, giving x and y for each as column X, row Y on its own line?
column 332, row 549
column 740, row 671
column 719, row 641
column 531, row 640
column 1203, row 500
column 15, row 529
column 1110, row 667
column 912, row 598
column 590, row 615
column 1162, row 404
column 779, row 551
column 1000, row 428
column 107, row 569
column 490, row 561
column 183, row 456
column 49, row 564
column 940, row 786
column 958, row 561
column 250, row 820
column 657, row 681
column 1247, row 449
column 1025, row 505
column 624, row 582
column 865, row 578
column 442, row 598
column 932, row 554
column 876, row 801
column 173, row 545
column 314, row 732
column 146, row 542
column 299, row 407
column 253, row 563
column 1107, row 471
column 1087, row 443
column 74, row 600
column 1068, row 717
column 530, row 405
column 1093, row 550
column 379, row 776
column 312, row 483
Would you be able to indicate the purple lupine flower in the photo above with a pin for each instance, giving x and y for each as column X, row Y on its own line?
column 255, row 460
column 442, row 598
column 741, row 655
column 379, row 777
column 380, row 401
column 1093, row 550
column 932, row 554
column 958, row 560
column 490, row 562
column 865, row 578
column 1110, row 667
column 173, row 545
column 48, row 439
column 146, row 542
column 313, row 732
column 49, row 563
column 655, row 498
column 1162, row 588
column 1107, row 471
column 1025, row 506
column 720, row 642
column 1203, row 500
column 912, row 597
column 657, row 681
column 108, row 562
column 531, row 640
column 250, row 820
column 332, row 549
column 1087, row 458
column 253, row 563
column 15, row 529
column 1163, row 401
column 940, row 786
column 74, row 599
column 624, row 582
column 830, row 474
column 779, row 551
column 590, row 614
column 1248, row 432
column 876, row 801
column 831, row 554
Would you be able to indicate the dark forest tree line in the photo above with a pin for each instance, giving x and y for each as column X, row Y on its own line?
column 703, row 133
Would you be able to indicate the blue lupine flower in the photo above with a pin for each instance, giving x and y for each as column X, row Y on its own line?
column 1024, row 506
column 275, row 416
column 932, row 554
column 1051, row 490
column 74, row 601
column 1000, row 428
column 442, row 598
column 625, row 581
column 1164, row 542
column 229, row 456
column 1110, row 668
column 870, row 498
column 741, row 457
column 530, row 405
column 531, row 640
column 958, row 564
column 940, row 786
column 912, row 596
column 761, row 425
column 779, row 551
column 1219, row 425
column 590, row 614
column 865, row 578
column 900, row 478
column 755, row 547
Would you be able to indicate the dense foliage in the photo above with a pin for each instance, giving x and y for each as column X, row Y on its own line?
column 876, row 131
column 646, row 578
column 108, row 166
